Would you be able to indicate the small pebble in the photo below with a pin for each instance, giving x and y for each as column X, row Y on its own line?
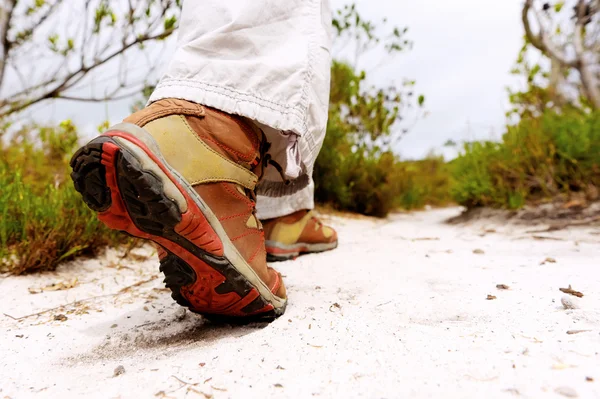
column 568, row 303
column 566, row 391
column 118, row 371
column 478, row 251
column 180, row 314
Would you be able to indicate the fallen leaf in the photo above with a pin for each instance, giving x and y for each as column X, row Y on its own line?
column 278, row 386
column 490, row 297
column 58, row 286
column 60, row 317
column 137, row 257
column 589, row 379
column 576, row 203
column 571, row 332
column 548, row 260
column 502, row 287
column 202, row 364
column 335, row 306
column 562, row 366
column 571, row 291
column 478, row 251
column 547, row 238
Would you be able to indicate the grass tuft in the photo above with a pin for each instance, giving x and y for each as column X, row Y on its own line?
column 43, row 220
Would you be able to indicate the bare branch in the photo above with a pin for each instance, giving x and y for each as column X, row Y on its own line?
column 110, row 97
column 76, row 76
column 542, row 40
column 588, row 78
column 5, row 20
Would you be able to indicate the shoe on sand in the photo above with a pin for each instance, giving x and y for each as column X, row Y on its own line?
column 183, row 176
column 298, row 233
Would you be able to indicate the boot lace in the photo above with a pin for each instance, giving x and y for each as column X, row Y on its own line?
column 268, row 160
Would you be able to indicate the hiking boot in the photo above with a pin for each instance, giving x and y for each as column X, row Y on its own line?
column 298, row 233
column 183, row 176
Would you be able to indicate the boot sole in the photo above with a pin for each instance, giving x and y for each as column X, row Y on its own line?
column 122, row 176
column 277, row 252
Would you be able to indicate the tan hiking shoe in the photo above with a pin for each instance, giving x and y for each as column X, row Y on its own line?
column 183, row 176
column 298, row 233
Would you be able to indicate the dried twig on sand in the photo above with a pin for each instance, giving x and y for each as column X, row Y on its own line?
column 571, row 291
column 122, row 290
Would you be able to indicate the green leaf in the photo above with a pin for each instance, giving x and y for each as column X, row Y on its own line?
column 558, row 6
column 170, row 23
column 421, row 100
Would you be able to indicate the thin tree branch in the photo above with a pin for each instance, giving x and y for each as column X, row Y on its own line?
column 75, row 77
column 542, row 40
column 110, row 97
column 5, row 19
column 588, row 79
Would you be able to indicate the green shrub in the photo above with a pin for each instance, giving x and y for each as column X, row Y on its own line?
column 356, row 171
column 43, row 219
column 537, row 159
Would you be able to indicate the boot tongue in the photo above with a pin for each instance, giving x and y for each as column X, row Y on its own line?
column 229, row 135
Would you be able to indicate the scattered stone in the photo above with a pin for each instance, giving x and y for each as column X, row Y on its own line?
column 180, row 314
column 502, row 287
column 146, row 308
column 114, row 326
column 118, row 371
column 589, row 379
column 490, row 297
column 278, row 386
column 279, row 368
column 202, row 364
column 60, row 317
column 571, row 291
column 566, row 391
column 568, row 303
column 478, row 251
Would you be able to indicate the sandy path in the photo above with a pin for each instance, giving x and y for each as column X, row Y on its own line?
column 399, row 310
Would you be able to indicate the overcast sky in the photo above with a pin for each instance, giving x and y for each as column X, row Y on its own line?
column 463, row 52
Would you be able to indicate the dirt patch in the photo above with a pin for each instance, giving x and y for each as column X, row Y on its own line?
column 555, row 215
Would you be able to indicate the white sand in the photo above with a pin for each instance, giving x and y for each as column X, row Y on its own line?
column 399, row 310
